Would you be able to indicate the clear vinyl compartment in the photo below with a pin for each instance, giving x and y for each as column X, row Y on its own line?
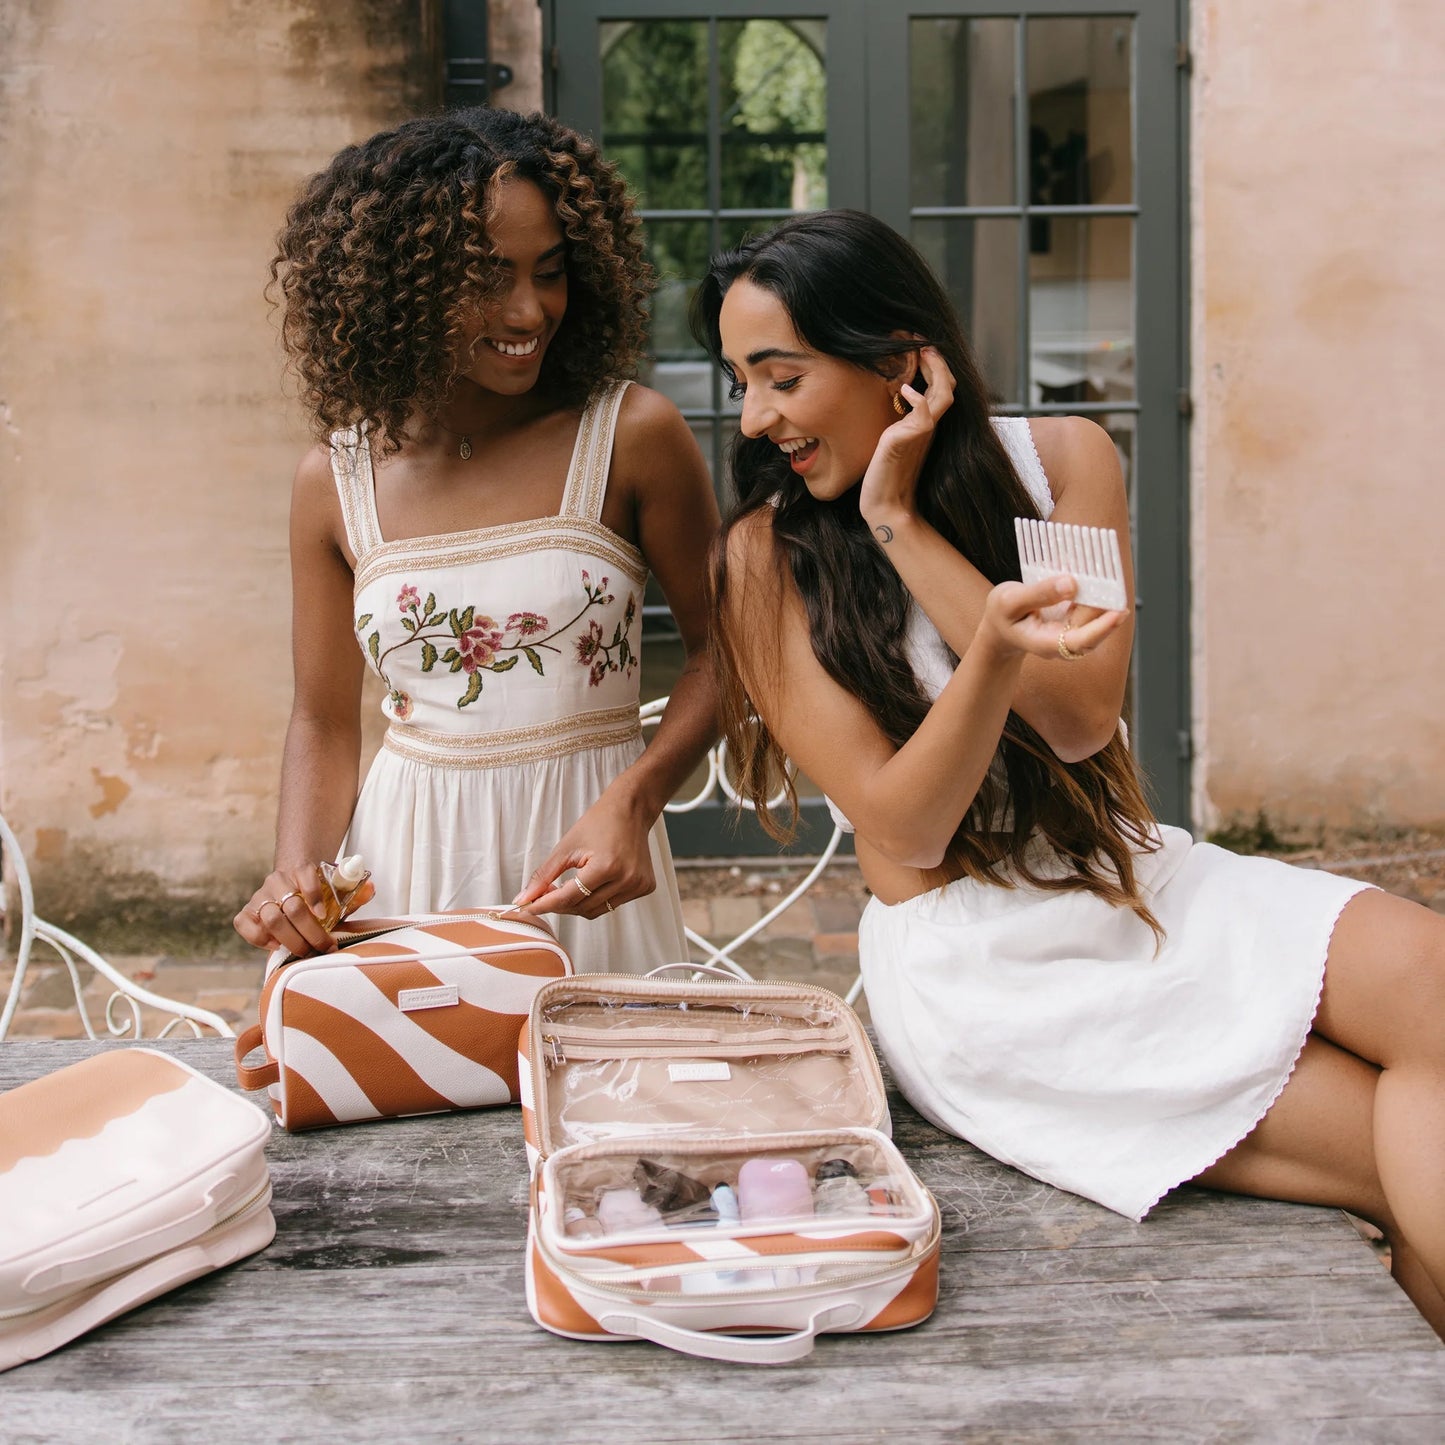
column 729, row 1216
column 620, row 1065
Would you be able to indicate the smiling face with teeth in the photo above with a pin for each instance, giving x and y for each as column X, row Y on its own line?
column 507, row 342
column 824, row 413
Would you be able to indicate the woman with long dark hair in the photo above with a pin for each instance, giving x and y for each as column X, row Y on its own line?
column 1078, row 990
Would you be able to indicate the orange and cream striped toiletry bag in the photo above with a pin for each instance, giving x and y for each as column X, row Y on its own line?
column 121, row 1177
column 712, row 1170
column 409, row 1016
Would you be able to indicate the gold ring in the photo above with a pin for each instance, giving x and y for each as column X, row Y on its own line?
column 582, row 888
column 1067, row 652
column 281, row 901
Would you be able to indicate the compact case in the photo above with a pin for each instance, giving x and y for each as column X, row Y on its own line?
column 412, row 1015
column 681, row 1135
column 121, row 1177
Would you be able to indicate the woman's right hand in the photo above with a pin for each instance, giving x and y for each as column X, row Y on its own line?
column 1013, row 620
column 283, row 912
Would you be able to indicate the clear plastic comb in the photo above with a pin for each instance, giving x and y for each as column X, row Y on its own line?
column 1090, row 555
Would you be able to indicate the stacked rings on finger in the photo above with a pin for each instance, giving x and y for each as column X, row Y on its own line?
column 582, row 888
column 281, row 901
column 1067, row 652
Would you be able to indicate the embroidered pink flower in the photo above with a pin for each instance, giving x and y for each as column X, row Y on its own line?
column 479, row 644
column 526, row 624
column 401, row 706
column 589, row 643
column 408, row 598
column 598, row 671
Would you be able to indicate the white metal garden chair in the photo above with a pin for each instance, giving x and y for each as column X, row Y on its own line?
column 720, row 956
column 122, row 1008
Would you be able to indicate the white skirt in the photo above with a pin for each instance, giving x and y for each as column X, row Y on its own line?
column 438, row 838
column 1045, row 1029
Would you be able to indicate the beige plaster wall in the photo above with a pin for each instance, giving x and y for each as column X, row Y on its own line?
column 149, row 152
column 1318, row 208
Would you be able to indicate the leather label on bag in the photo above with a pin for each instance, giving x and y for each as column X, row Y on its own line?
column 710, row 1071
column 410, row 1000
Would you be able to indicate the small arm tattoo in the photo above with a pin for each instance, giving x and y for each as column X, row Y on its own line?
column 885, row 533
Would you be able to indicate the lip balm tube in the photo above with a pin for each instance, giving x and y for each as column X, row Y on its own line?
column 725, row 1201
column 774, row 1189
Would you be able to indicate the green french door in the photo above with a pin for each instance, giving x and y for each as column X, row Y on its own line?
column 1033, row 153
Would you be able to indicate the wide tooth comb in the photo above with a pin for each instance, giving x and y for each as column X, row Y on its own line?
column 1090, row 555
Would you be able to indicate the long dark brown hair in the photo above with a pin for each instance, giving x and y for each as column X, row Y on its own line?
column 385, row 255
column 856, row 290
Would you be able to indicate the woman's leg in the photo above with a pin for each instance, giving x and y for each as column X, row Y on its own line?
column 1361, row 1122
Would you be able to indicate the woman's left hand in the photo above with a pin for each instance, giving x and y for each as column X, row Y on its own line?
column 608, row 860
column 891, row 481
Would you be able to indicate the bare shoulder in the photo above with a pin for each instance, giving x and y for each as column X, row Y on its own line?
column 754, row 562
column 313, row 472
column 653, row 440
column 315, row 504
column 1075, row 450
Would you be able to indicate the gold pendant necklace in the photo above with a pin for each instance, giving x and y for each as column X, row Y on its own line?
column 465, row 450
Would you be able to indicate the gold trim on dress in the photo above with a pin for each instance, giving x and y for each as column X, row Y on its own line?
column 540, row 534
column 504, row 747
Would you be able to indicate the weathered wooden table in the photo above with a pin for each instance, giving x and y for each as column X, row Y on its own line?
column 390, row 1308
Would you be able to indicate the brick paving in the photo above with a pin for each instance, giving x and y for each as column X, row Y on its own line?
column 815, row 940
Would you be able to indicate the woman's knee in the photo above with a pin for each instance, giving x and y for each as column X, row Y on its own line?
column 1384, row 991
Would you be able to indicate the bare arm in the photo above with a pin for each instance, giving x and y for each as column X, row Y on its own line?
column 676, row 517
column 906, row 802
column 1077, row 711
column 321, row 758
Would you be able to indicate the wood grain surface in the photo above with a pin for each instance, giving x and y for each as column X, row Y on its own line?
column 390, row 1308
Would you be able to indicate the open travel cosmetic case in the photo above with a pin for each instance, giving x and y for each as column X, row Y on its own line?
column 712, row 1170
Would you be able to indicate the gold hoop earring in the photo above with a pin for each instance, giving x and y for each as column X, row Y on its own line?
column 899, row 405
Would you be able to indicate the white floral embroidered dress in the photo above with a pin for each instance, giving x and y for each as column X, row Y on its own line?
column 509, row 655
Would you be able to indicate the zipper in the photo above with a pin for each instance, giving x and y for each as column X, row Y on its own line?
column 799, row 1292
column 420, row 920
column 562, row 1049
column 252, row 1204
column 548, row 1042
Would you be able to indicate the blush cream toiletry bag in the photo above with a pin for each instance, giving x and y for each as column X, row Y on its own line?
column 121, row 1177
column 680, row 1134
column 414, row 1015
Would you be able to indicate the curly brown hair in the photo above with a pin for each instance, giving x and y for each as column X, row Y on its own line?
column 385, row 254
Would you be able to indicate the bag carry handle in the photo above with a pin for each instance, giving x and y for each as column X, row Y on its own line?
column 113, row 1259
column 257, row 1076
column 736, row 974
column 739, row 1349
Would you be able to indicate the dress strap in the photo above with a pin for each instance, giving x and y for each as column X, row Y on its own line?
column 592, row 453
column 356, row 486
column 1018, row 441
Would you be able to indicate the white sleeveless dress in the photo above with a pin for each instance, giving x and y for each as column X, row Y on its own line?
column 510, row 659
column 1045, row 1029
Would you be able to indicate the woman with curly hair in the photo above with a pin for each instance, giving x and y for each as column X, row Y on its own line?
column 1081, row 992
column 463, row 299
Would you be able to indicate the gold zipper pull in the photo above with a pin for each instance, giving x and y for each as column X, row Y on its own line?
column 558, row 1057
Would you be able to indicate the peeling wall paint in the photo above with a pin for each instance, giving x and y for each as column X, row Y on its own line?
column 146, row 441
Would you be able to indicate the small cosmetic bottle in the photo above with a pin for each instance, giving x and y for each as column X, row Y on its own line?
column 836, row 1189
column 774, row 1189
column 581, row 1225
column 343, row 887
